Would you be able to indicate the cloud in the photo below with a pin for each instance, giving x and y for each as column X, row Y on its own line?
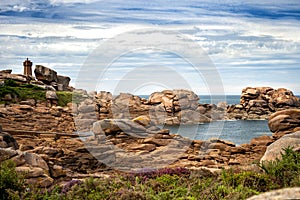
column 250, row 42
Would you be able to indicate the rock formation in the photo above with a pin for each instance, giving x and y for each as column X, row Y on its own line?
column 45, row 74
column 170, row 107
column 285, row 121
column 286, row 193
column 260, row 102
column 31, row 165
column 46, row 78
column 285, row 125
column 275, row 150
column 50, row 77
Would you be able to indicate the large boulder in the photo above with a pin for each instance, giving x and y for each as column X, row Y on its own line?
column 6, row 140
column 276, row 149
column 64, row 81
column 45, row 74
column 115, row 126
column 286, row 193
column 285, row 120
column 51, row 95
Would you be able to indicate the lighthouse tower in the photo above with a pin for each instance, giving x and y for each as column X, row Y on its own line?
column 27, row 67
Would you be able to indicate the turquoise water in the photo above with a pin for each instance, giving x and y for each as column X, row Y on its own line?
column 237, row 131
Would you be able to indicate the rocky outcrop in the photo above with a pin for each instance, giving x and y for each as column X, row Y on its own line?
column 7, row 141
column 275, row 150
column 260, row 102
column 45, row 74
column 286, row 193
column 285, row 121
column 50, row 77
column 171, row 107
column 32, row 166
column 5, row 71
column 33, row 115
column 128, row 144
column 46, row 78
column 285, row 125
column 63, row 82
column 19, row 78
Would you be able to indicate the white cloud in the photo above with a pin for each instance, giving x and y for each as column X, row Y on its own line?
column 239, row 40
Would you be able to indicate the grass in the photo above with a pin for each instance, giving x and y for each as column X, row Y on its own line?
column 21, row 92
column 66, row 97
column 164, row 184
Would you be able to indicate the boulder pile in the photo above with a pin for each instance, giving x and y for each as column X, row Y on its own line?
column 31, row 165
column 260, row 102
column 285, row 125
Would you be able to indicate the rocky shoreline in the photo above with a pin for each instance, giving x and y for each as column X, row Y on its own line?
column 126, row 134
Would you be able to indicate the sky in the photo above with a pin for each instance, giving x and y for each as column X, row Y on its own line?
column 113, row 45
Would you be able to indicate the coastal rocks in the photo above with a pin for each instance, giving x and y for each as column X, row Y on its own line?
column 6, row 140
column 113, row 126
column 5, row 71
column 103, row 101
column 45, row 74
column 173, row 107
column 19, row 78
column 286, row 193
column 260, row 102
column 275, row 150
column 63, row 82
column 286, row 126
column 285, row 121
column 128, row 106
column 31, row 165
column 36, row 117
column 50, row 77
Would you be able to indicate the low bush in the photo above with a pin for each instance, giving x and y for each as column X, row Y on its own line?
column 167, row 183
column 286, row 170
column 11, row 184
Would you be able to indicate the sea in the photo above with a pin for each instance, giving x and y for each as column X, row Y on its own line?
column 236, row 131
column 213, row 99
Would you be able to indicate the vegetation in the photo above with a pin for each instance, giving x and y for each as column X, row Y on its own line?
column 174, row 183
column 11, row 184
column 66, row 97
column 21, row 92
column 285, row 171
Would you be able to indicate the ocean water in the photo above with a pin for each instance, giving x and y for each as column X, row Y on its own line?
column 236, row 131
column 213, row 99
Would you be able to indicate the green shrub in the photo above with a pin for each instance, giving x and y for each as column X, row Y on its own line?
column 23, row 92
column 248, row 179
column 285, row 171
column 10, row 82
column 66, row 97
column 10, row 181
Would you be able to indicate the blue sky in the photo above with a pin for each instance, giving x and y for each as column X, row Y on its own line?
column 250, row 43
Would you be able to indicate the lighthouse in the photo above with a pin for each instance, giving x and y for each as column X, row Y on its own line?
column 27, row 67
